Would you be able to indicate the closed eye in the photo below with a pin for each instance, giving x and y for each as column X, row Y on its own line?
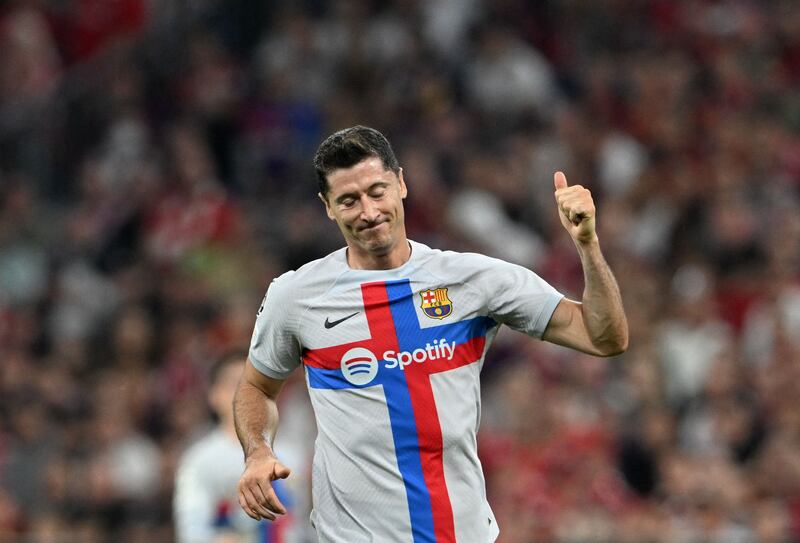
column 378, row 190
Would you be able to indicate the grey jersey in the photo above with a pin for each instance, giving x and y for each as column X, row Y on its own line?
column 392, row 360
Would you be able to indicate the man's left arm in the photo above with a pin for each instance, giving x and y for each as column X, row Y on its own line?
column 597, row 325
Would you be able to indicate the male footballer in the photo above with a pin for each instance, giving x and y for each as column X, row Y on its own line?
column 392, row 335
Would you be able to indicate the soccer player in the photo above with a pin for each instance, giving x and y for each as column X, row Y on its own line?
column 392, row 335
column 204, row 503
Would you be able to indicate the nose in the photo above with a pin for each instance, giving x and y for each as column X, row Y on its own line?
column 369, row 210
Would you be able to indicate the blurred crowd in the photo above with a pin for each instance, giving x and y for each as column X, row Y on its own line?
column 155, row 175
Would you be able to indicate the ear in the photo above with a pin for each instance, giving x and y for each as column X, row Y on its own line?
column 327, row 206
column 403, row 188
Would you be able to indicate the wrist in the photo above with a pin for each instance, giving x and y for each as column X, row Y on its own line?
column 589, row 243
column 260, row 452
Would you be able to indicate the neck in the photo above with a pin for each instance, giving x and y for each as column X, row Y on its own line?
column 362, row 260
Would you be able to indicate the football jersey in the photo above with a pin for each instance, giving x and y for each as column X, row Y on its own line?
column 392, row 361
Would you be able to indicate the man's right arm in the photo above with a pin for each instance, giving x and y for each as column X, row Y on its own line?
column 256, row 415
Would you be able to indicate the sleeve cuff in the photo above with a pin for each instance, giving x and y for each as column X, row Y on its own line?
column 268, row 371
column 548, row 308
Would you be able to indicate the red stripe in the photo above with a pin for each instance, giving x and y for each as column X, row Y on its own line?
column 429, row 431
column 330, row 358
column 464, row 355
column 379, row 317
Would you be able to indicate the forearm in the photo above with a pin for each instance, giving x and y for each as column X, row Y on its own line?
column 603, row 314
column 256, row 419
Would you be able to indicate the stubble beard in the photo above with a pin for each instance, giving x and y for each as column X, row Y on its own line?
column 378, row 245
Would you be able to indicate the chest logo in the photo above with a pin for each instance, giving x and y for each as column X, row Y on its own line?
column 359, row 366
column 330, row 324
column 435, row 303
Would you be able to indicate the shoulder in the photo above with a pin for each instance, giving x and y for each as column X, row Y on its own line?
column 331, row 264
column 460, row 261
column 485, row 274
column 309, row 278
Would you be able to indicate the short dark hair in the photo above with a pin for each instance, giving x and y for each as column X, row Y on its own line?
column 347, row 148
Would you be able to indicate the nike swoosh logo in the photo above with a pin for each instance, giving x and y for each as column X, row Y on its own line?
column 331, row 324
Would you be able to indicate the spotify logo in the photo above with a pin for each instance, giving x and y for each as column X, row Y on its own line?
column 359, row 366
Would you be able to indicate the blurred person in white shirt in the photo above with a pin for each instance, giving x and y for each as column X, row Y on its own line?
column 205, row 506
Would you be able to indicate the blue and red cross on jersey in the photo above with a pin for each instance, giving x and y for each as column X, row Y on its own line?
column 394, row 329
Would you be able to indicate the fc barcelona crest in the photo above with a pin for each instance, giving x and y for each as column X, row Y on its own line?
column 435, row 303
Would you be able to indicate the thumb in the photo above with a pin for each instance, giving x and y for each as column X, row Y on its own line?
column 280, row 471
column 560, row 180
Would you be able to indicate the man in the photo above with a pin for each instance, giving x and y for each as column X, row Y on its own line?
column 205, row 508
column 393, row 335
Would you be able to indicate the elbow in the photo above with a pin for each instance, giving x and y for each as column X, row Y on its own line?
column 615, row 346
column 615, row 350
column 623, row 345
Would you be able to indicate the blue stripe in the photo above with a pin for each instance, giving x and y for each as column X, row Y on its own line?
column 406, row 445
column 334, row 379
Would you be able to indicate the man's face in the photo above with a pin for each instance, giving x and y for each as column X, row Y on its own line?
column 366, row 201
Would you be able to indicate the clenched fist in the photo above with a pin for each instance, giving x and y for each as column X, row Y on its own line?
column 256, row 495
column 576, row 210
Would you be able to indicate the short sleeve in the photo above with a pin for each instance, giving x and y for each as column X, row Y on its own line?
column 520, row 299
column 274, row 347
